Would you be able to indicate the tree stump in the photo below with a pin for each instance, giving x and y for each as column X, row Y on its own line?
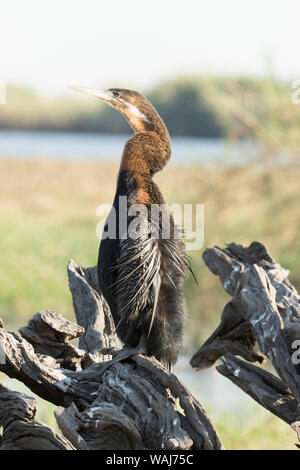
column 134, row 404
column 264, row 310
column 138, row 404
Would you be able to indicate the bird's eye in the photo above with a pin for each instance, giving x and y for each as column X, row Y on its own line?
column 116, row 94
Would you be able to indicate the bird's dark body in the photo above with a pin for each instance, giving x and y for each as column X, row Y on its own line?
column 142, row 278
column 165, row 338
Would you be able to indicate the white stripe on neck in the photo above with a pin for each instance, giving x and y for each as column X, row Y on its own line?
column 134, row 110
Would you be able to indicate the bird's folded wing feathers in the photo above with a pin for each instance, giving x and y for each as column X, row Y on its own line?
column 136, row 276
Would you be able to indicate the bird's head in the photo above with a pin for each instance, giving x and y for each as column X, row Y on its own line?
column 138, row 111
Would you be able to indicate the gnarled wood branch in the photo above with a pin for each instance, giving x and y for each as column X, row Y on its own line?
column 265, row 308
column 135, row 404
column 21, row 430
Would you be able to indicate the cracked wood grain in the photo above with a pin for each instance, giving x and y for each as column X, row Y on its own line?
column 135, row 404
column 264, row 310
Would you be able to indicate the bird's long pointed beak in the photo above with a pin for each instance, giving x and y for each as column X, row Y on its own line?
column 104, row 95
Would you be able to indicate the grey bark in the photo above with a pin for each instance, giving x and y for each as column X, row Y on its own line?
column 264, row 310
column 135, row 404
column 21, row 430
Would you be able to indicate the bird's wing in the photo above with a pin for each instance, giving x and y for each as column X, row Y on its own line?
column 180, row 259
column 137, row 279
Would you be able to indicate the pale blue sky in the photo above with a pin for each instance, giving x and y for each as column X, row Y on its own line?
column 49, row 44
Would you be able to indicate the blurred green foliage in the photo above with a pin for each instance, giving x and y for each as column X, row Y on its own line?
column 210, row 107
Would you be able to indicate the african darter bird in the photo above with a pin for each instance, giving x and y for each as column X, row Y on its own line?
column 142, row 277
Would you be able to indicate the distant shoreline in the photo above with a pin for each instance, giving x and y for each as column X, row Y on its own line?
column 72, row 146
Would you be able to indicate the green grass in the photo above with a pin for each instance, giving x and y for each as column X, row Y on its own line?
column 48, row 215
column 256, row 430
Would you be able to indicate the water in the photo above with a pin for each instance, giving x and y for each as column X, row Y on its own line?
column 67, row 146
column 215, row 392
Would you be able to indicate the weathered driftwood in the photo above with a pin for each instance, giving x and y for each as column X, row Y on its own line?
column 136, row 404
column 265, row 308
column 21, row 430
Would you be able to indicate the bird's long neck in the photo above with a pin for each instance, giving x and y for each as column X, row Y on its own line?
column 144, row 154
